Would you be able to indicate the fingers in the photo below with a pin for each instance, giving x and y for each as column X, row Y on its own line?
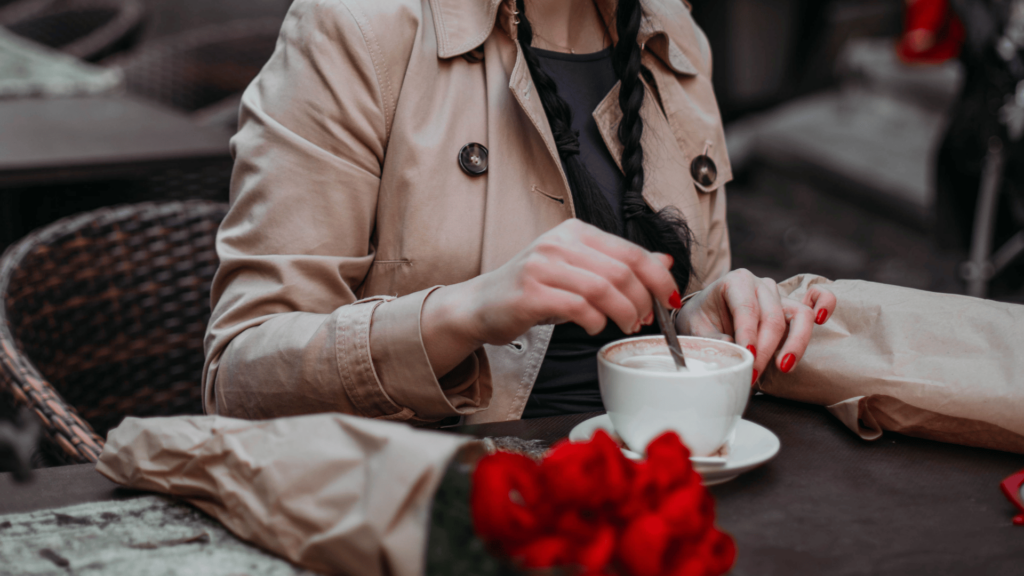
column 801, row 320
column 772, row 325
column 650, row 268
column 602, row 280
column 570, row 307
column 822, row 301
column 607, row 291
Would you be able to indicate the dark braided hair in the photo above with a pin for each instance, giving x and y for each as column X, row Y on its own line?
column 664, row 231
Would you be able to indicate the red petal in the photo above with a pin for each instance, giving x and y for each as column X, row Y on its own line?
column 643, row 546
column 642, row 496
column 720, row 550
column 505, row 489
column 688, row 511
column 543, row 553
column 669, row 460
column 596, row 555
column 588, row 474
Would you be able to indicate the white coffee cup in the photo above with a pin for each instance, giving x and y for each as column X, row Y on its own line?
column 703, row 405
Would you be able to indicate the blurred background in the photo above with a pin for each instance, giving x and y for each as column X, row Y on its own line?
column 834, row 135
column 871, row 139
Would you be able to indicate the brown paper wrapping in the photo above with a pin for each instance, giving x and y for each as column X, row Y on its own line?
column 937, row 366
column 335, row 494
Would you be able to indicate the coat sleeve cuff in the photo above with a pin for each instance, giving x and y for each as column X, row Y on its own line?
column 404, row 370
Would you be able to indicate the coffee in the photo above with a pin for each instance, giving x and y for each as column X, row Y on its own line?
column 662, row 363
column 646, row 396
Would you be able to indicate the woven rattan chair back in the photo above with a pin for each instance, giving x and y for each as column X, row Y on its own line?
column 15, row 10
column 199, row 68
column 88, row 29
column 104, row 316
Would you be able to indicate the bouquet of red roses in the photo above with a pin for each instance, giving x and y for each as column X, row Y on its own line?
column 587, row 509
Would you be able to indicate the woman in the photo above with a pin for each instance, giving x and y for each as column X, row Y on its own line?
column 402, row 242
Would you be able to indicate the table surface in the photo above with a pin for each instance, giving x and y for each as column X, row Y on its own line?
column 50, row 140
column 829, row 503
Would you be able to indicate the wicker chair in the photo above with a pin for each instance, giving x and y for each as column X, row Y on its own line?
column 14, row 10
column 200, row 68
column 104, row 315
column 87, row 29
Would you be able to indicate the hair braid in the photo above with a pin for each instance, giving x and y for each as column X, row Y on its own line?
column 665, row 231
column 590, row 203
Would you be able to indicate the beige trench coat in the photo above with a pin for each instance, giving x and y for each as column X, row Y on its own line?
column 348, row 204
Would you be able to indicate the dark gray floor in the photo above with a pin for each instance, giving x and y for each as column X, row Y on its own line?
column 781, row 226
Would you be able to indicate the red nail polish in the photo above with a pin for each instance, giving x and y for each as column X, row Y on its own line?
column 787, row 362
column 675, row 301
column 822, row 316
column 754, row 379
column 754, row 352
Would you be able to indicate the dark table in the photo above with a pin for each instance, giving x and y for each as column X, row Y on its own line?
column 829, row 503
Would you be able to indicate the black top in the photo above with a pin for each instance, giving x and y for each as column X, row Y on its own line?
column 567, row 381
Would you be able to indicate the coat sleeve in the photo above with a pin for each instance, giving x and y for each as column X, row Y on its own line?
column 288, row 334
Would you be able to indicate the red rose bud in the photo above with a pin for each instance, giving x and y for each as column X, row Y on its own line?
column 669, row 460
column 719, row 550
column 643, row 546
column 506, row 489
column 587, row 474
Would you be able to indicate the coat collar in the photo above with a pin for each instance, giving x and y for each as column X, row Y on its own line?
column 462, row 25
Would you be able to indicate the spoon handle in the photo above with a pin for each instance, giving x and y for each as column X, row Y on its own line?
column 665, row 321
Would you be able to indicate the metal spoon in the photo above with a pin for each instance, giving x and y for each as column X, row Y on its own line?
column 665, row 321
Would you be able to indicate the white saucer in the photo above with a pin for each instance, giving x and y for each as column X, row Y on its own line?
column 751, row 446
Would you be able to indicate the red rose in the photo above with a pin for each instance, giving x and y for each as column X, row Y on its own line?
column 588, row 508
column 719, row 550
column 669, row 461
column 587, row 474
column 643, row 545
column 689, row 511
column 504, row 497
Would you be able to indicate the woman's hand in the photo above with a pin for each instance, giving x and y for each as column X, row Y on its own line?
column 573, row 273
column 749, row 311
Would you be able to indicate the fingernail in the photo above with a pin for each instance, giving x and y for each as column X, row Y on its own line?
column 636, row 327
column 675, row 301
column 754, row 379
column 754, row 352
column 822, row 316
column 787, row 362
column 649, row 319
column 671, row 260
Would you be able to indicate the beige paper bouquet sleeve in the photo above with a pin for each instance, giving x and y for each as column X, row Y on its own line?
column 335, row 494
column 937, row 366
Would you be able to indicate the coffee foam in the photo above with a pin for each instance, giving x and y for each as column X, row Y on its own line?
column 662, row 363
column 652, row 353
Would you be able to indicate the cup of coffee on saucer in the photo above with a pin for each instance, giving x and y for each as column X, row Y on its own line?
column 645, row 396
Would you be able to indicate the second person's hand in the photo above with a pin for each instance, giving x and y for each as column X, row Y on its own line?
column 747, row 310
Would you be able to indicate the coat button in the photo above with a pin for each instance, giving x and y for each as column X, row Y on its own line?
column 703, row 170
column 473, row 159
